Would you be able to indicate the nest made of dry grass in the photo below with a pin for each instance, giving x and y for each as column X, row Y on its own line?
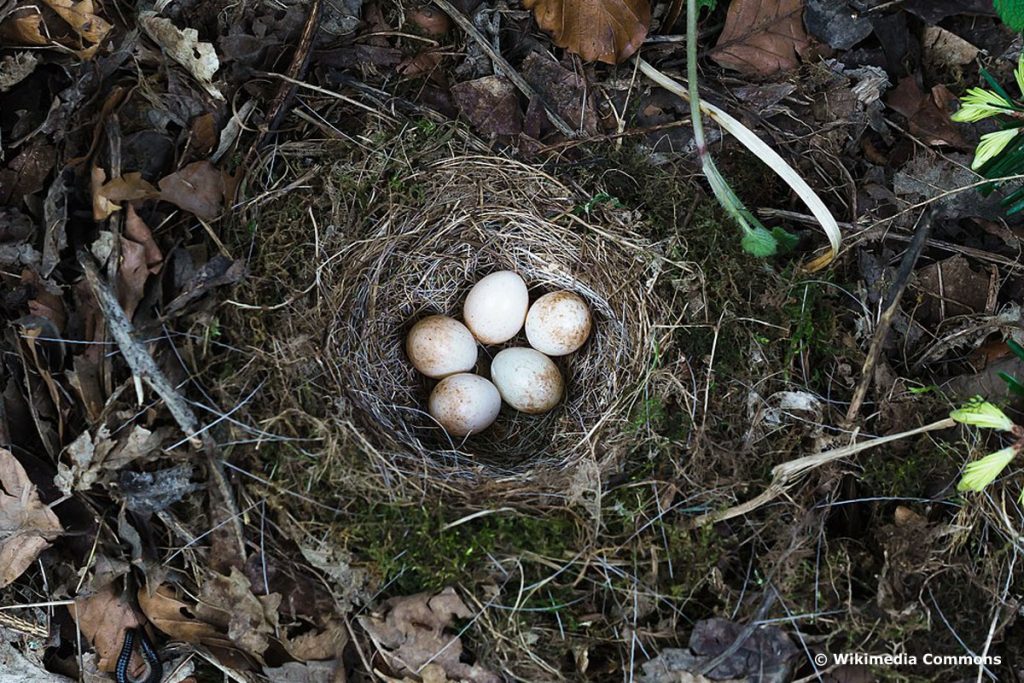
column 457, row 220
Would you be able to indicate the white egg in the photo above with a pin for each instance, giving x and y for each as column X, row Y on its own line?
column 558, row 323
column 439, row 346
column 496, row 307
column 527, row 379
column 464, row 404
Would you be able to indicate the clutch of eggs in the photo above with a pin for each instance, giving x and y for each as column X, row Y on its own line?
column 496, row 310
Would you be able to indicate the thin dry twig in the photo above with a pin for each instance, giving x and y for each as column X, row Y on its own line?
column 891, row 305
column 784, row 475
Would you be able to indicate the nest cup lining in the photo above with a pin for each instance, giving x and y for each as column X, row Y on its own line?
column 416, row 261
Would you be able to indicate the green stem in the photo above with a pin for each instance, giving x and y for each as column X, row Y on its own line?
column 756, row 238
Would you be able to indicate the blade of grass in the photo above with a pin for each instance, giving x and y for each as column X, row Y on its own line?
column 766, row 154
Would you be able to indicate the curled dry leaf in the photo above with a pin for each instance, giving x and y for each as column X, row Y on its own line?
column 24, row 28
column 82, row 18
column 26, row 525
column 184, row 47
column 607, row 31
column 180, row 621
column 927, row 113
column 229, row 602
column 140, row 258
column 762, row 37
column 412, row 634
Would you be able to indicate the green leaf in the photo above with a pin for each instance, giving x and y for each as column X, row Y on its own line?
column 990, row 79
column 979, row 413
column 1017, row 349
column 710, row 4
column 981, row 473
column 787, row 241
column 760, row 243
column 1012, row 383
column 1012, row 13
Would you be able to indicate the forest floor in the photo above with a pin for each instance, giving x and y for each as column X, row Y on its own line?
column 218, row 219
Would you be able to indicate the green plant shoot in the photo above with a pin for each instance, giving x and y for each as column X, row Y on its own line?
column 1000, row 154
column 979, row 474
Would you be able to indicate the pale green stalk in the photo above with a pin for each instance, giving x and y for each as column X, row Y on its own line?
column 757, row 240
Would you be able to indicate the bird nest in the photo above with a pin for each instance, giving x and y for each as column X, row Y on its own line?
column 402, row 241
column 458, row 220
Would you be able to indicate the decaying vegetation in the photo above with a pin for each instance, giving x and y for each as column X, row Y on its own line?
column 218, row 221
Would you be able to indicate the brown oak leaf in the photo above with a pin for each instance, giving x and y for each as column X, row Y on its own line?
column 762, row 37
column 607, row 31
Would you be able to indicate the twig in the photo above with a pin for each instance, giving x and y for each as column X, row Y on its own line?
column 145, row 368
column 504, row 67
column 286, row 90
column 296, row 70
column 891, row 304
column 139, row 360
column 787, row 472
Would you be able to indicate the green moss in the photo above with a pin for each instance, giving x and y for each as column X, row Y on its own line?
column 412, row 549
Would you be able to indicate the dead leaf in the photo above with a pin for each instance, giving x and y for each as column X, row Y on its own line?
column 204, row 134
column 249, row 621
column 16, row 68
column 491, row 104
column 183, row 46
column 927, row 114
column 26, row 173
column 762, row 37
column 944, row 49
column 607, row 31
column 24, row 29
column 565, row 90
column 177, row 619
column 26, row 525
column 107, row 197
column 306, row 672
column 948, row 288
column 137, row 230
column 81, row 17
column 412, row 633
column 132, row 274
column 103, row 619
column 318, row 645
column 45, row 299
column 197, row 188
column 180, row 621
column 88, row 457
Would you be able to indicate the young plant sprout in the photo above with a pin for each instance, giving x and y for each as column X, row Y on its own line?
column 979, row 474
column 1000, row 154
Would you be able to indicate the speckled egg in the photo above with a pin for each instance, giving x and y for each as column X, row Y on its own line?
column 439, row 346
column 527, row 380
column 464, row 404
column 558, row 323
